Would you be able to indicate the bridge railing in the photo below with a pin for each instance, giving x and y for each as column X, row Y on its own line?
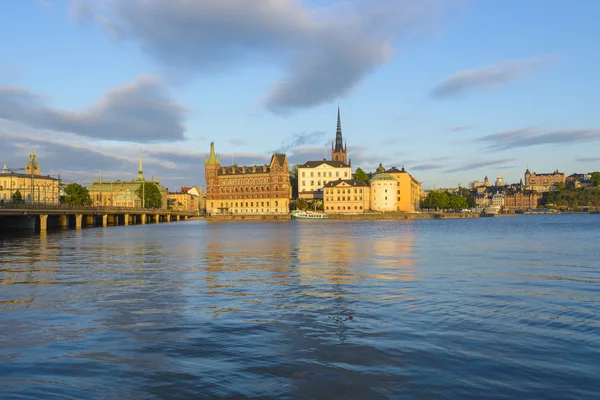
column 70, row 207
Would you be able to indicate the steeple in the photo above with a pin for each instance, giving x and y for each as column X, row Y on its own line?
column 140, row 176
column 338, row 150
column 212, row 157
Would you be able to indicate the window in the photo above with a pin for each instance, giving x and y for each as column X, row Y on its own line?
column 303, row 174
column 337, row 174
column 318, row 183
column 346, row 174
column 319, row 174
column 276, row 203
column 312, row 183
column 330, row 174
column 312, row 174
column 303, row 183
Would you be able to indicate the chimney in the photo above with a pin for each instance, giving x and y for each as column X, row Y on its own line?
column 243, row 170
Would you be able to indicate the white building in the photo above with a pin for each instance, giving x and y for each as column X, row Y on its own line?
column 498, row 200
column 383, row 192
column 313, row 175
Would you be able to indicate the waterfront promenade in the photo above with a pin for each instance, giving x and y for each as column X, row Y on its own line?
column 41, row 217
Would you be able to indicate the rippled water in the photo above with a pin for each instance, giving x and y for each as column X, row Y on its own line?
column 496, row 308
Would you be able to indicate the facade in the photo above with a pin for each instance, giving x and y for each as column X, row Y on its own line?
column 339, row 150
column 33, row 187
column 383, row 192
column 498, row 199
column 263, row 189
column 543, row 182
column 525, row 200
column 198, row 195
column 120, row 193
column 314, row 175
column 479, row 184
column 408, row 192
column 499, row 181
column 346, row 196
column 181, row 201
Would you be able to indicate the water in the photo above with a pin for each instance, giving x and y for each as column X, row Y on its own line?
column 496, row 308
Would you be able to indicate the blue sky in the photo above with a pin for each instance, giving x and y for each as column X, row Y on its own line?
column 452, row 90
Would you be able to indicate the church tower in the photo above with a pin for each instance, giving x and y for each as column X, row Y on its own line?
column 339, row 149
column 140, row 176
column 211, row 174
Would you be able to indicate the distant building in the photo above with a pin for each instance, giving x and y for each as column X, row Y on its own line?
column 182, row 201
column 120, row 193
column 314, row 175
column 499, row 180
column 346, row 196
column 33, row 187
column 546, row 182
column 515, row 201
column 263, row 189
column 408, row 191
column 497, row 199
column 383, row 192
column 579, row 180
column 198, row 196
column 479, row 184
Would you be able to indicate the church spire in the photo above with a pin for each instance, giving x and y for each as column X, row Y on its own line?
column 140, row 176
column 212, row 157
column 338, row 149
column 338, row 134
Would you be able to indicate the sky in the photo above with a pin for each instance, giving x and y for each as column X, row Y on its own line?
column 453, row 90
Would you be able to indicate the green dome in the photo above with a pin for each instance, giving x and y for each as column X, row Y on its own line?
column 382, row 177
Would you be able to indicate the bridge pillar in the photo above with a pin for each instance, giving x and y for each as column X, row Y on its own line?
column 78, row 219
column 157, row 218
column 104, row 219
column 178, row 217
column 168, row 217
column 126, row 219
column 43, row 222
column 89, row 220
column 143, row 219
column 63, row 221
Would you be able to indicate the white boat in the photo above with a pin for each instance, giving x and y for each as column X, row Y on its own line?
column 491, row 210
column 308, row 215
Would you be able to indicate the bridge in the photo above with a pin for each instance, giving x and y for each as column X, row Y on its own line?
column 42, row 216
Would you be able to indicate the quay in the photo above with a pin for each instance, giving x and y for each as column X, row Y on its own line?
column 41, row 217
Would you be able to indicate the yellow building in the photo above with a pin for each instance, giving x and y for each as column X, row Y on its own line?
column 33, row 187
column 182, row 201
column 408, row 192
column 346, row 196
column 383, row 191
column 122, row 193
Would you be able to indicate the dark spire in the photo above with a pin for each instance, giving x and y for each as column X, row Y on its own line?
column 338, row 134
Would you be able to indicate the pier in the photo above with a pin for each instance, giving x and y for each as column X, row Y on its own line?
column 42, row 217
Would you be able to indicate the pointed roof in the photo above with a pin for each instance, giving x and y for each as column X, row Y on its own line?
column 212, row 158
column 339, row 144
column 140, row 176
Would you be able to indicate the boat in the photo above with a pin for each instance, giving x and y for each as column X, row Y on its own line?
column 491, row 210
column 308, row 215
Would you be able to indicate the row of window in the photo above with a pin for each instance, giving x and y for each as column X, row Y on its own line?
column 246, row 189
column 332, row 208
column 344, row 198
column 325, row 174
column 250, row 196
column 241, row 204
column 344, row 191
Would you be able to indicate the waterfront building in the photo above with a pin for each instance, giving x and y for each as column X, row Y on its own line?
column 33, row 187
column 198, row 195
column 497, row 199
column 545, row 182
column 263, row 189
column 181, row 201
column 408, row 191
column 120, row 193
column 346, row 196
column 314, row 175
column 525, row 200
column 383, row 192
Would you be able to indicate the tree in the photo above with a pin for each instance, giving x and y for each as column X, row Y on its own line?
column 294, row 181
column 471, row 203
column 301, row 204
column 77, row 195
column 436, row 200
column 152, row 198
column 17, row 197
column 595, row 178
column 560, row 186
column 456, row 202
column 361, row 175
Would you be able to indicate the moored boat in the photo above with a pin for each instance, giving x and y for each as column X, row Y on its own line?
column 308, row 215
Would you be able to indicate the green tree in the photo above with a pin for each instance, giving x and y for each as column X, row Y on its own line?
column 150, row 195
column 436, row 200
column 301, row 204
column 17, row 197
column 560, row 186
column 294, row 181
column 361, row 175
column 595, row 178
column 456, row 202
column 77, row 195
column 471, row 203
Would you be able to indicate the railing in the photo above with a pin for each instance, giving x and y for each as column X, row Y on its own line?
column 69, row 207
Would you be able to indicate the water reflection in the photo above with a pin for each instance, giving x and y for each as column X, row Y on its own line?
column 301, row 310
